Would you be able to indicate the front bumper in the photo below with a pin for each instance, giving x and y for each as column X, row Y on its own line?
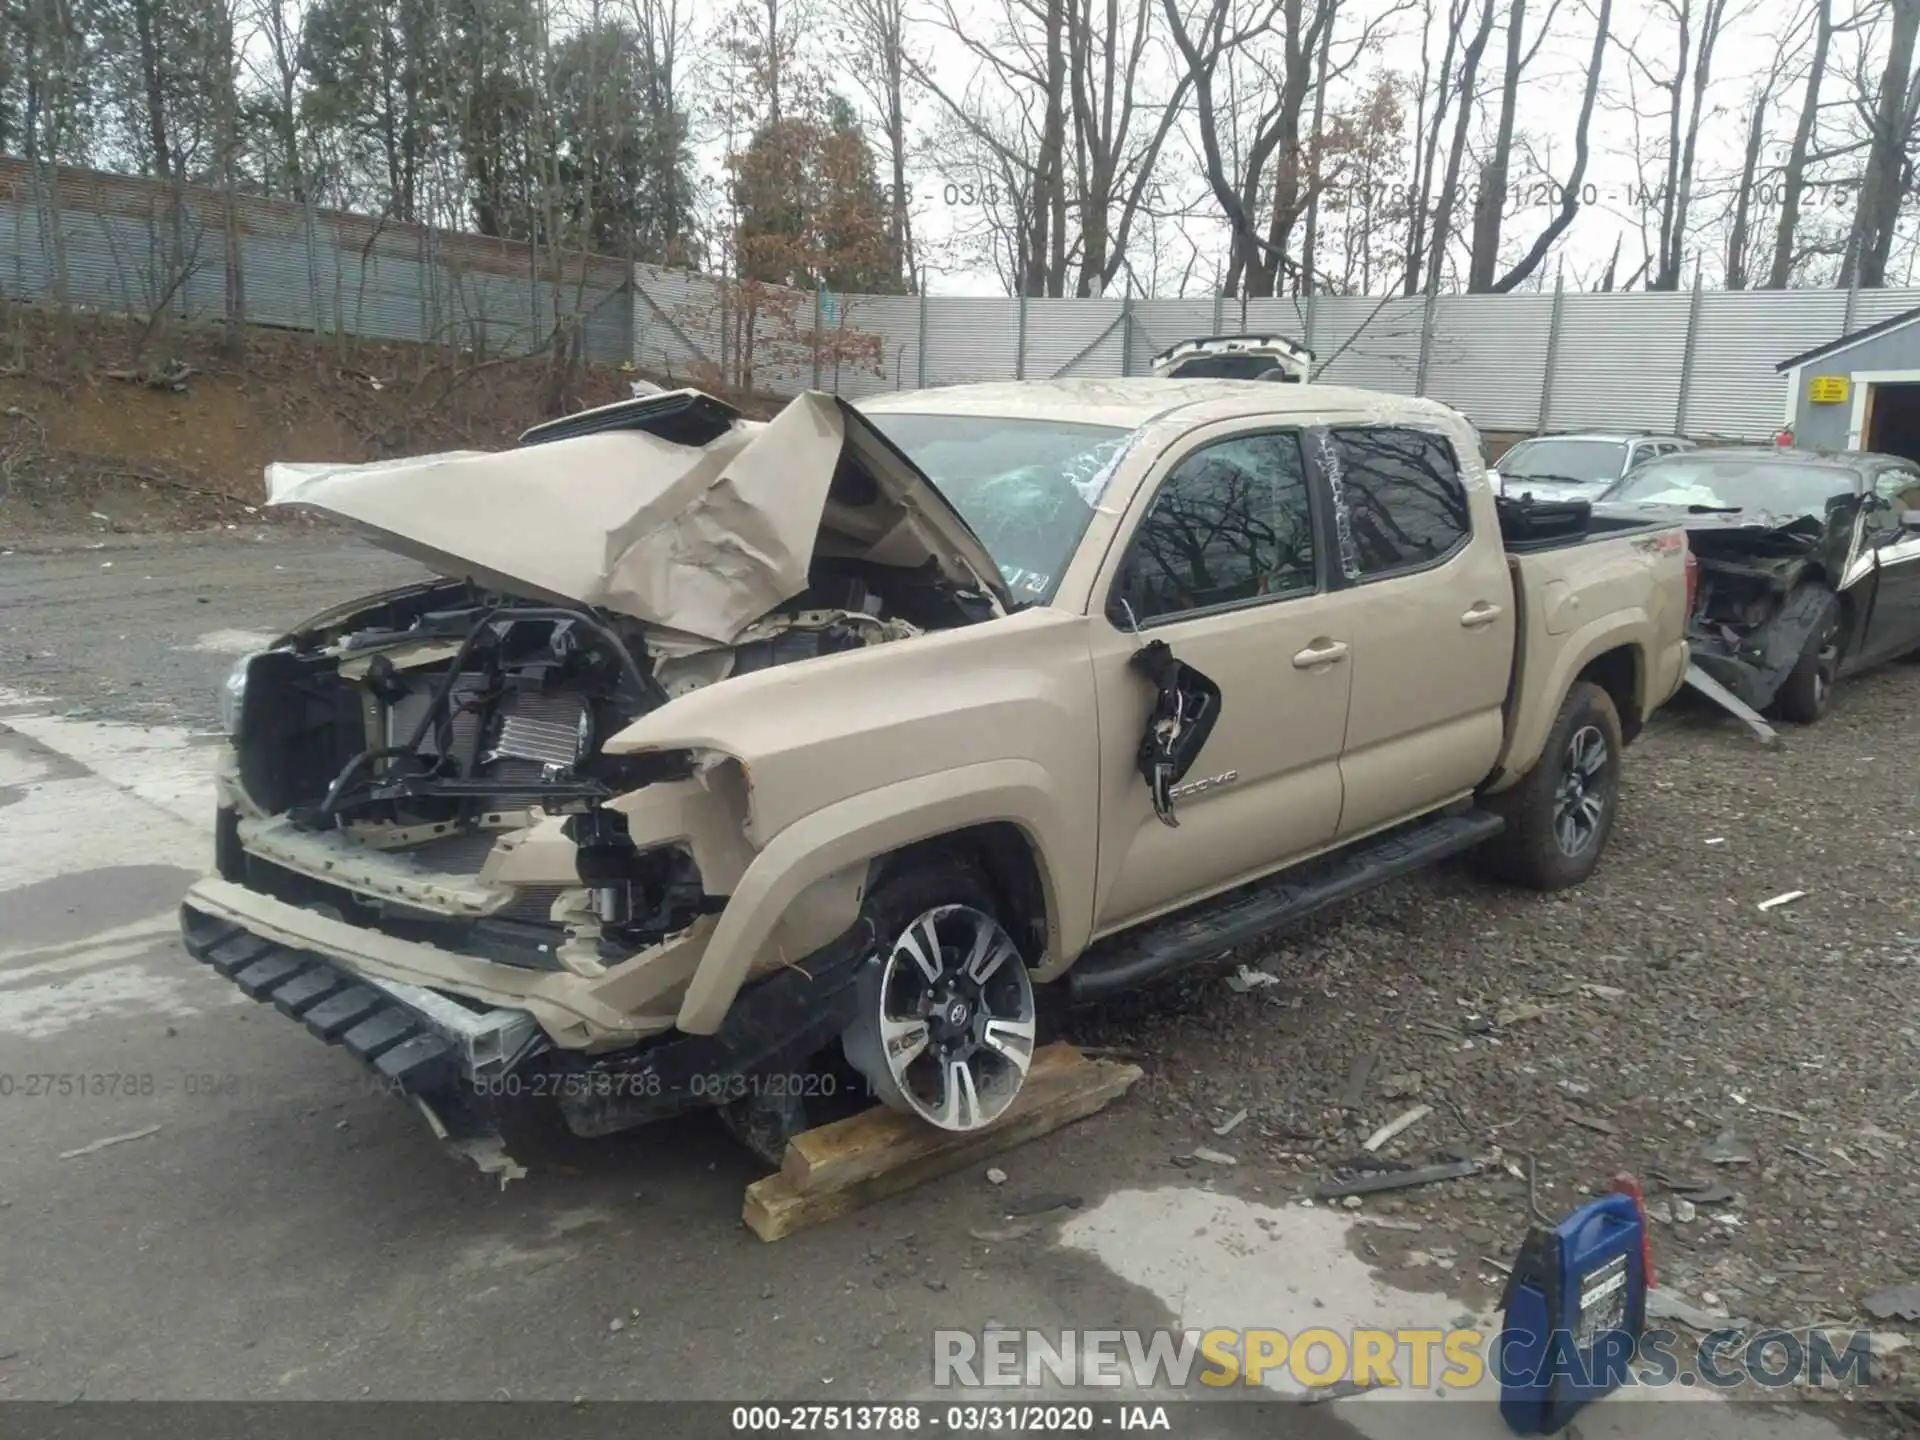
column 422, row 1042
column 461, row 1057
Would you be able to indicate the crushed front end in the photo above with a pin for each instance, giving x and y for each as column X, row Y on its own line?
column 425, row 855
column 1752, row 614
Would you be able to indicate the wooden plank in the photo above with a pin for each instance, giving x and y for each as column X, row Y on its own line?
column 867, row 1157
column 837, row 1155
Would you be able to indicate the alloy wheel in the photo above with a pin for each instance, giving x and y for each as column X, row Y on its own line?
column 1580, row 800
column 951, row 1024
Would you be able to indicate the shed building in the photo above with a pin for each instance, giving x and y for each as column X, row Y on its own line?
column 1860, row 392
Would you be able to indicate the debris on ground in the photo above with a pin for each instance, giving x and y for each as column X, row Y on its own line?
column 1212, row 1157
column 1705, row 1194
column 1005, row 1234
column 1395, row 1126
column 1374, row 1182
column 1042, row 1204
column 1728, row 1148
column 1896, row 1302
column 1247, row 978
column 1357, row 1076
column 1665, row 1304
column 98, row 1145
column 1232, row 1123
column 1787, row 899
column 996, row 1176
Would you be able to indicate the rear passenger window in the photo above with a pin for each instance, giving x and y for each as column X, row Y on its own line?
column 1401, row 502
column 1230, row 524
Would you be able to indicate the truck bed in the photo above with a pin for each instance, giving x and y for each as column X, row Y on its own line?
column 1529, row 526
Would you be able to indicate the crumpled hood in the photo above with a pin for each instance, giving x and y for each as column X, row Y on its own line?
column 699, row 538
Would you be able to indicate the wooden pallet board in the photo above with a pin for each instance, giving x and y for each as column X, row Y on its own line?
column 841, row 1167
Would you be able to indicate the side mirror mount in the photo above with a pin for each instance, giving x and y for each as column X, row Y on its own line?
column 1124, row 608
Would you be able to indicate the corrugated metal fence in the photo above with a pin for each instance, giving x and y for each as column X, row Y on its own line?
column 1698, row 363
column 123, row 243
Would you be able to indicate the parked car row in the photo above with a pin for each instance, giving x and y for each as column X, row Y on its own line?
column 1809, row 562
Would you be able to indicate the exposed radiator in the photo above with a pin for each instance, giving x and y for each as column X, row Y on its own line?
column 546, row 729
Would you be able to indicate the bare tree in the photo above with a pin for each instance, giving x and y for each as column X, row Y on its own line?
column 1793, row 177
column 876, row 35
column 1889, row 173
column 1495, row 174
column 1571, row 192
column 1114, row 166
column 1258, row 256
column 1740, row 227
column 1697, row 27
column 1449, row 195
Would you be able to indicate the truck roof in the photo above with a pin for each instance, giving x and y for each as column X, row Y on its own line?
column 1135, row 400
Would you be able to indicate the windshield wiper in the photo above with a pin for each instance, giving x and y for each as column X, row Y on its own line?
column 1558, row 479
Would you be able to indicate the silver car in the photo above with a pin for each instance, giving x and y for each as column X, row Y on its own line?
column 1577, row 467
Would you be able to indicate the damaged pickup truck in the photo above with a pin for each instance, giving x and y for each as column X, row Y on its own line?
column 1809, row 565
column 730, row 756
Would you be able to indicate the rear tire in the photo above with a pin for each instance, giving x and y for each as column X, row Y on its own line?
column 1560, row 815
column 1807, row 694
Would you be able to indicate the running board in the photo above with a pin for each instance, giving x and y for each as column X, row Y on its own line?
column 1201, row 932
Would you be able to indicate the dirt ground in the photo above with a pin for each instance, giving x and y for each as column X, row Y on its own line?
column 104, row 431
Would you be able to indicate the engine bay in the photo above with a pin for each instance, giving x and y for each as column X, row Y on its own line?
column 429, row 723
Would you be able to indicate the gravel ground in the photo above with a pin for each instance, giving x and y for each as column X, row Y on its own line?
column 1626, row 1025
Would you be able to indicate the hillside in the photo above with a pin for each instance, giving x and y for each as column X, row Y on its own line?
column 176, row 432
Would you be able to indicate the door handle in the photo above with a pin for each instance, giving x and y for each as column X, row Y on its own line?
column 1481, row 614
column 1320, row 653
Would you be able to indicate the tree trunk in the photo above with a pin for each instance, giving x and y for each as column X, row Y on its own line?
column 1450, row 185
column 1310, row 241
column 1427, row 144
column 1738, row 237
column 1493, row 175
column 1870, row 242
column 1793, row 179
column 154, row 87
column 1675, row 258
column 1570, row 197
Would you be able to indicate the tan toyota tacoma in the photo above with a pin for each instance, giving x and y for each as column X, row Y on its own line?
column 730, row 752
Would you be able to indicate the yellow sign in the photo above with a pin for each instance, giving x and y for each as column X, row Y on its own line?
column 1827, row 389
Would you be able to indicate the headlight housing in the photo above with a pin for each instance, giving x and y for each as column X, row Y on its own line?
column 233, row 695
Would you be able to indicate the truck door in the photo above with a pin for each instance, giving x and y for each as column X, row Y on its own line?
column 1217, row 591
column 1429, row 600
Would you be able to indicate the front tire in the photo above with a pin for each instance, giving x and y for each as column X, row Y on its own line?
column 1807, row 694
column 947, row 1023
column 1560, row 815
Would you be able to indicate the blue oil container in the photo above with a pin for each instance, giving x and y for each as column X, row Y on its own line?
column 1575, row 1306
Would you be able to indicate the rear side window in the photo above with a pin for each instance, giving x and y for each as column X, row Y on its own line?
column 1401, row 502
column 1231, row 524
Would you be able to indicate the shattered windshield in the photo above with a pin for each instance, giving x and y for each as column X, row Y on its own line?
column 1770, row 487
column 1027, row 487
column 1585, row 462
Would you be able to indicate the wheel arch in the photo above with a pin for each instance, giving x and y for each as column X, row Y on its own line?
column 981, row 810
column 1613, row 651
